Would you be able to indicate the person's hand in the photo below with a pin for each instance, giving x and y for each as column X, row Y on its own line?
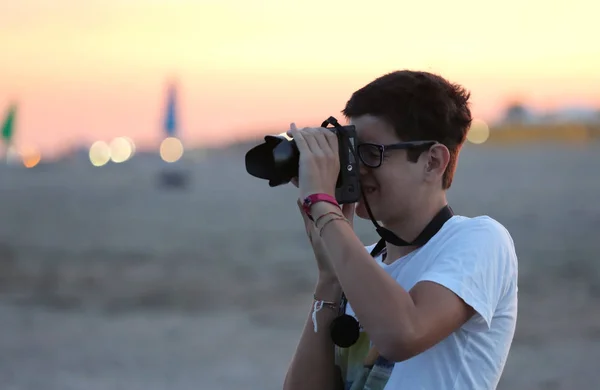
column 319, row 164
column 325, row 268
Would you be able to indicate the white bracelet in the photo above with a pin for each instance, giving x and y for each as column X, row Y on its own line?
column 316, row 307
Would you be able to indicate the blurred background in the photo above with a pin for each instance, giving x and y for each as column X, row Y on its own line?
column 135, row 250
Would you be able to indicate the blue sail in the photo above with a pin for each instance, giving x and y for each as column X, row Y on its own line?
column 170, row 122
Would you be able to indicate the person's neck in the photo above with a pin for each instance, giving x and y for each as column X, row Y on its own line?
column 412, row 225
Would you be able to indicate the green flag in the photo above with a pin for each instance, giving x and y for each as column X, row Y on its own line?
column 8, row 126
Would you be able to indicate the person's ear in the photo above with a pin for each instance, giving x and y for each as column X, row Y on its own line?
column 438, row 158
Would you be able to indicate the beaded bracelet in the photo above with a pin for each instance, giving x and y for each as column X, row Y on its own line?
column 331, row 220
column 326, row 214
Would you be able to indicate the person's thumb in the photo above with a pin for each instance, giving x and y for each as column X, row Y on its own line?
column 348, row 211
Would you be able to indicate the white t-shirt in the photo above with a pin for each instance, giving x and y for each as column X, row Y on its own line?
column 475, row 258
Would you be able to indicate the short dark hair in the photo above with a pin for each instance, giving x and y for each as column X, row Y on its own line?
column 420, row 106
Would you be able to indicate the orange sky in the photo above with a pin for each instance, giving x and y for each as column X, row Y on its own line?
column 86, row 70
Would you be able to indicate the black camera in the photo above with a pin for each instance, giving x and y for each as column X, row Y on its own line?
column 277, row 160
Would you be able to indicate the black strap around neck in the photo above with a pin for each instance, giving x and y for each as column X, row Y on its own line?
column 430, row 230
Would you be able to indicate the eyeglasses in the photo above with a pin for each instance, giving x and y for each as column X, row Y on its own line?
column 372, row 154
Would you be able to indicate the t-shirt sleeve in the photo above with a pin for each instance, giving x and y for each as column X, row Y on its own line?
column 475, row 265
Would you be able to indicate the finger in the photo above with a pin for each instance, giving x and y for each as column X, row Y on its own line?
column 295, row 182
column 311, row 141
column 321, row 139
column 332, row 141
column 292, row 128
column 300, row 141
column 348, row 211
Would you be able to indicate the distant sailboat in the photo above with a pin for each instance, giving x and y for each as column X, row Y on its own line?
column 171, row 147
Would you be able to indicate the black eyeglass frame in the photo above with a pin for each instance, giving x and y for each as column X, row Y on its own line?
column 382, row 148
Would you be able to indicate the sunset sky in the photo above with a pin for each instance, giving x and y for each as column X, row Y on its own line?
column 83, row 70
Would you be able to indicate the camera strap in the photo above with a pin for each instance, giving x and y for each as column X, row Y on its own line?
column 331, row 121
column 430, row 230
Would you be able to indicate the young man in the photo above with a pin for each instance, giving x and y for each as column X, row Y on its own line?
column 437, row 315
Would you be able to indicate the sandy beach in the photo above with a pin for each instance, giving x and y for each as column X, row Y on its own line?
column 108, row 281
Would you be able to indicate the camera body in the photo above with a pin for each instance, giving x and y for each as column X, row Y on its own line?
column 277, row 160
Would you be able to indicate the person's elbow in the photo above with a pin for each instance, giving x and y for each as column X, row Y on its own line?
column 402, row 345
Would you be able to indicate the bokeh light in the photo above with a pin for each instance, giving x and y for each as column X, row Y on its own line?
column 479, row 132
column 171, row 149
column 30, row 156
column 99, row 153
column 131, row 144
column 120, row 150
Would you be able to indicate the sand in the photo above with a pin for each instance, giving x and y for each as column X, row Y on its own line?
column 108, row 281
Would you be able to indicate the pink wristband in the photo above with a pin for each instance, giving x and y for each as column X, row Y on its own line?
column 314, row 198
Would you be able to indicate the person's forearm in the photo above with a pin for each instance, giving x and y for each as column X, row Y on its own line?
column 312, row 366
column 384, row 308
